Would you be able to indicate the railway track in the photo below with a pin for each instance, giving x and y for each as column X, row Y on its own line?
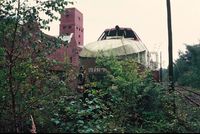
column 190, row 95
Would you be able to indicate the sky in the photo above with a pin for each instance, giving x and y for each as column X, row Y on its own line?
column 148, row 18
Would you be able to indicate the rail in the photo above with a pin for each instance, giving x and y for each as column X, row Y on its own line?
column 195, row 98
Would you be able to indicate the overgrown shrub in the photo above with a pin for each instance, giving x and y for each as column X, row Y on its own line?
column 125, row 100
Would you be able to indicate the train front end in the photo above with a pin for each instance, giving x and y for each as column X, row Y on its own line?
column 119, row 42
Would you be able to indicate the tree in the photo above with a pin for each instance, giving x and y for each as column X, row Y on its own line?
column 187, row 67
column 27, row 83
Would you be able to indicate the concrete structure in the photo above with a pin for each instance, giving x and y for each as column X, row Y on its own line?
column 71, row 24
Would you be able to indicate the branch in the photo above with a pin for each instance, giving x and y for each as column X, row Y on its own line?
column 32, row 103
column 16, row 25
column 33, row 129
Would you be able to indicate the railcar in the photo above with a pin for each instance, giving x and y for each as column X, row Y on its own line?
column 119, row 42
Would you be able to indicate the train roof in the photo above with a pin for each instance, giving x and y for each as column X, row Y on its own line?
column 115, row 41
column 115, row 47
column 119, row 32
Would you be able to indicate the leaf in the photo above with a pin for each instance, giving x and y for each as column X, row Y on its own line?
column 80, row 122
column 55, row 121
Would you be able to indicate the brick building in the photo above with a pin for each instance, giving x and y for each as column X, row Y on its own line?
column 71, row 24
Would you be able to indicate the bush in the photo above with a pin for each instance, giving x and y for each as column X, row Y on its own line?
column 125, row 100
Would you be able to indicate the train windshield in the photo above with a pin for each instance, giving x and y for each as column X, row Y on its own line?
column 118, row 33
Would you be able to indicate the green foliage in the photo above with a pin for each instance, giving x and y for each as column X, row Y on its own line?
column 188, row 116
column 27, row 84
column 186, row 70
column 125, row 100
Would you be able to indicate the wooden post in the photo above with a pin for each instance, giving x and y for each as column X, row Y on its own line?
column 171, row 86
column 170, row 51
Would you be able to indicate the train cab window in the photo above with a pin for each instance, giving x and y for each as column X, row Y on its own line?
column 112, row 33
column 117, row 33
column 121, row 33
column 130, row 34
column 103, row 35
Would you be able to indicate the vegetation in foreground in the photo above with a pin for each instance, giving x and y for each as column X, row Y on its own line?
column 123, row 101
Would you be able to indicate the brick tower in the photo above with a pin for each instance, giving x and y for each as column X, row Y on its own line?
column 72, row 22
